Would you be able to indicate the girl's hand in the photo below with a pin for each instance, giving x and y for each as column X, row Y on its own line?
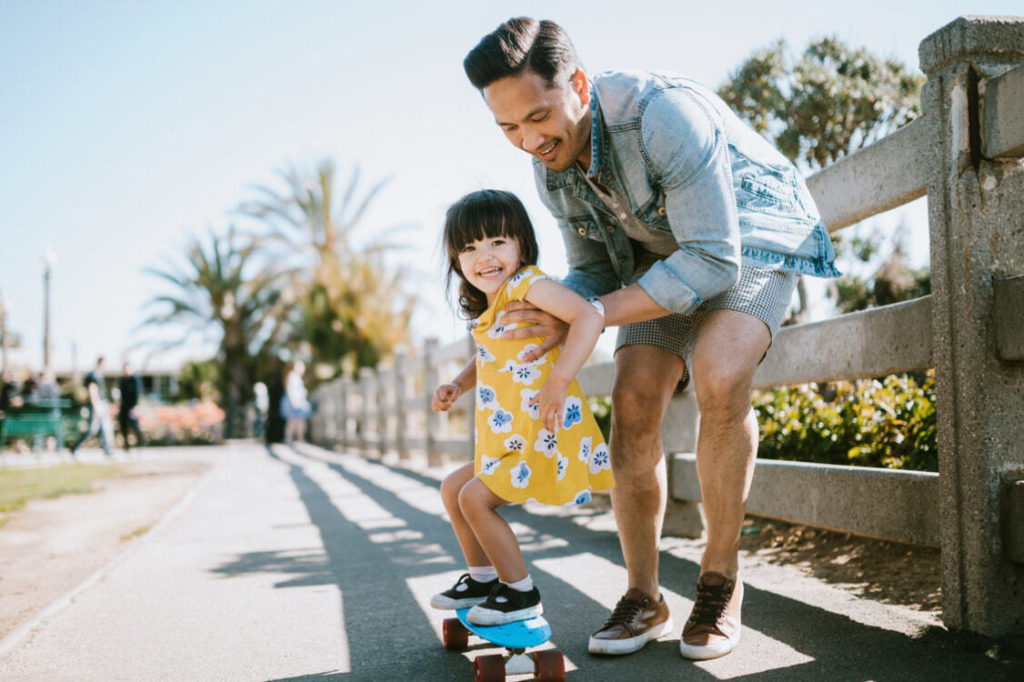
column 551, row 401
column 444, row 397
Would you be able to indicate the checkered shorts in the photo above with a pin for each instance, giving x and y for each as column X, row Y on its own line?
column 762, row 292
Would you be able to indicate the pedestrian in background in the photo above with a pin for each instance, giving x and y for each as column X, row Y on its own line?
column 130, row 387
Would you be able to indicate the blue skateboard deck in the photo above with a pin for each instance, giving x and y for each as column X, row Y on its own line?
column 521, row 634
column 516, row 638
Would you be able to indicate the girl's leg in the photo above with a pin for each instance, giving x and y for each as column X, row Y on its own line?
column 493, row 534
column 450, row 489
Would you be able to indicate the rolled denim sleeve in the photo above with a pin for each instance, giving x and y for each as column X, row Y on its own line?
column 687, row 155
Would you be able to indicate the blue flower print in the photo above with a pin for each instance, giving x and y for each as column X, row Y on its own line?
column 499, row 327
column 582, row 497
column 546, row 442
column 488, row 465
column 532, row 410
column 514, row 281
column 515, row 443
column 573, row 413
column 563, row 466
column 600, row 459
column 526, row 349
column 585, row 445
column 520, row 475
column 483, row 353
column 500, row 421
column 485, row 397
column 521, row 374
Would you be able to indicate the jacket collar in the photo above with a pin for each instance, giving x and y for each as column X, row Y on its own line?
column 556, row 180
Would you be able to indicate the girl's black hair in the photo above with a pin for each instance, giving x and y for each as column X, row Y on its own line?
column 487, row 213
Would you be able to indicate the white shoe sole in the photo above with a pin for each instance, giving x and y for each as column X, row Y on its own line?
column 705, row 653
column 488, row 618
column 448, row 604
column 617, row 647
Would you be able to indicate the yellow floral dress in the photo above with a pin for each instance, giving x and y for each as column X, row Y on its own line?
column 516, row 457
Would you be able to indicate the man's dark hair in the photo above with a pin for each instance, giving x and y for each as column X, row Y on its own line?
column 522, row 44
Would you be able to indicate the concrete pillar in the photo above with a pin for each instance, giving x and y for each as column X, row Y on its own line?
column 433, row 421
column 344, row 435
column 471, row 404
column 384, row 381
column 401, row 389
column 368, row 391
column 975, row 204
column 683, row 518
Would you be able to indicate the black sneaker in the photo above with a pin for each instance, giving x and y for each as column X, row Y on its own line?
column 464, row 593
column 505, row 605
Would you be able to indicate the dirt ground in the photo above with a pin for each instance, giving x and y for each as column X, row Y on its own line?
column 52, row 546
column 887, row 572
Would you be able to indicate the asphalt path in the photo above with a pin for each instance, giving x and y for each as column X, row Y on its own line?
column 303, row 564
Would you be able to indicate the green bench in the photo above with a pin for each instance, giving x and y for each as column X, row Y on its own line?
column 36, row 420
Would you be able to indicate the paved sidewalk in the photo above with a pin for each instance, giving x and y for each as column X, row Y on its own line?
column 302, row 564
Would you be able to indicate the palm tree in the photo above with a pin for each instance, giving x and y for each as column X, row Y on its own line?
column 223, row 292
column 352, row 310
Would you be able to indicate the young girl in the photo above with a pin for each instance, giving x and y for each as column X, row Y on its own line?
column 536, row 439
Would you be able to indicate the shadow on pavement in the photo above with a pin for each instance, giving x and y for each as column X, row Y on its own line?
column 390, row 637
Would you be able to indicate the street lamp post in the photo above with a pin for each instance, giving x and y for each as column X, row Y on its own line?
column 48, row 261
column 3, row 338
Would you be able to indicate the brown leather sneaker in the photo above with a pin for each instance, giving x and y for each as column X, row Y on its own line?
column 636, row 620
column 713, row 629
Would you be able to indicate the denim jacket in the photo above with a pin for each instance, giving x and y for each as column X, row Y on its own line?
column 688, row 166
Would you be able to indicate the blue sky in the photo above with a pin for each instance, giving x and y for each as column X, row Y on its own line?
column 127, row 126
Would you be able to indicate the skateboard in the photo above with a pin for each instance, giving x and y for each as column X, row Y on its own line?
column 516, row 638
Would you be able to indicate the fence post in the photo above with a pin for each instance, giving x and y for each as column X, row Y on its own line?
column 679, row 434
column 344, row 439
column 975, row 204
column 367, row 390
column 401, row 390
column 383, row 381
column 471, row 405
column 433, row 420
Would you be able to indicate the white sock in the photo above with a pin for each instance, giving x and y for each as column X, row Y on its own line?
column 524, row 585
column 482, row 574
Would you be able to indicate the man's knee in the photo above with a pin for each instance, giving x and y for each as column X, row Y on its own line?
column 722, row 386
column 636, row 407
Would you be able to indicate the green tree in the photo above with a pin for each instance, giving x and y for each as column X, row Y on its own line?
column 350, row 309
column 223, row 291
column 820, row 107
column 827, row 104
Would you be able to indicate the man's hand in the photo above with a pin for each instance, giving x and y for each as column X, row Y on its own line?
column 530, row 322
column 444, row 397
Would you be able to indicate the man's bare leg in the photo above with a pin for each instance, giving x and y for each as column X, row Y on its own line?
column 645, row 378
column 729, row 347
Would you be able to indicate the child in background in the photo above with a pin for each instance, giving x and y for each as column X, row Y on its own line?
column 536, row 439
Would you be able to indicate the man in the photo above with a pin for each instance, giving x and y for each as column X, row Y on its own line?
column 129, row 385
column 98, row 412
column 691, row 229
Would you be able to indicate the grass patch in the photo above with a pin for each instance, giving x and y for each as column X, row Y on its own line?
column 18, row 486
column 138, row 532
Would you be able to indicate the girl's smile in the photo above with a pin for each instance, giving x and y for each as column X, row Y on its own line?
column 487, row 263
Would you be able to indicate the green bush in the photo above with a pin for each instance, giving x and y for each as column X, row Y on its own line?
column 888, row 422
